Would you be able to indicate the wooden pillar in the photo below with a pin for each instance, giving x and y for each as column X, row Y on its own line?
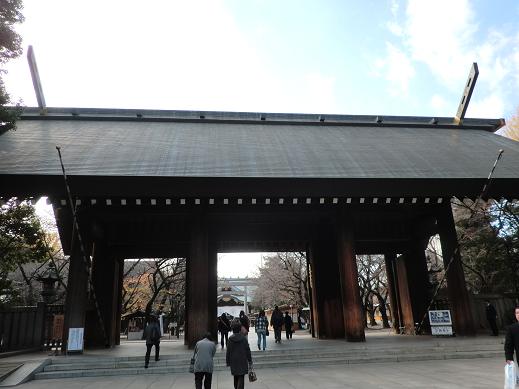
column 392, row 286
column 349, row 283
column 413, row 287
column 105, row 279
column 77, row 289
column 212, row 290
column 418, row 281
column 406, row 307
column 314, row 322
column 119, row 302
column 327, row 294
column 201, row 283
column 458, row 296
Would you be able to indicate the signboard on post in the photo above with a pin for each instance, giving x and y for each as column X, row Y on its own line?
column 57, row 327
column 75, row 340
column 441, row 322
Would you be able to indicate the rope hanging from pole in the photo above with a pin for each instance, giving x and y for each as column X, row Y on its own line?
column 84, row 257
column 456, row 250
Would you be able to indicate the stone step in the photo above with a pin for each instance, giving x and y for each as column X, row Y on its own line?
column 171, row 360
column 292, row 352
column 310, row 361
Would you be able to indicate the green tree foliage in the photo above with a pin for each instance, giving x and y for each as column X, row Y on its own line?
column 10, row 47
column 10, row 41
column 22, row 240
column 489, row 241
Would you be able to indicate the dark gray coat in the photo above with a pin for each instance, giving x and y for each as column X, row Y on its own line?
column 204, row 353
column 512, row 342
column 238, row 354
column 152, row 333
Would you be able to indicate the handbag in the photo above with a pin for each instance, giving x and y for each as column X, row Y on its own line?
column 267, row 332
column 252, row 374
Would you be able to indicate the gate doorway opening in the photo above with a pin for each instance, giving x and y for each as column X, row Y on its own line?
column 251, row 282
column 153, row 286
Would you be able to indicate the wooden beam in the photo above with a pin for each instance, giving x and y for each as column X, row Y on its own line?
column 467, row 94
column 36, row 82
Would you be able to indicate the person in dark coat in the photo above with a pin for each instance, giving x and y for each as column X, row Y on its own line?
column 512, row 340
column 245, row 322
column 224, row 326
column 276, row 321
column 492, row 318
column 152, row 336
column 238, row 355
column 288, row 325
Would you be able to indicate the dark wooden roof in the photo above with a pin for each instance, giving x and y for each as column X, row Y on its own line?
column 125, row 152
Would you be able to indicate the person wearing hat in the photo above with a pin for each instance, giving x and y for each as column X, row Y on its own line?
column 152, row 336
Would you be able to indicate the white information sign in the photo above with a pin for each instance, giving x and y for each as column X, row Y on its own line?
column 75, row 339
column 441, row 322
column 441, row 330
column 440, row 318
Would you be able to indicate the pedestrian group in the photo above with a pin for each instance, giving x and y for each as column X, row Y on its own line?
column 238, row 356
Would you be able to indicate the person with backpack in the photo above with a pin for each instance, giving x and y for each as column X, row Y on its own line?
column 152, row 336
column 245, row 323
column 224, row 326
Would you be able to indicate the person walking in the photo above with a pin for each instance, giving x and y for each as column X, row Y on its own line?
column 276, row 321
column 491, row 314
column 261, row 329
column 204, row 353
column 238, row 355
column 152, row 336
column 224, row 326
column 288, row 325
column 245, row 322
column 512, row 340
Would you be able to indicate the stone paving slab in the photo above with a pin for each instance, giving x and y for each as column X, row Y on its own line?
column 475, row 374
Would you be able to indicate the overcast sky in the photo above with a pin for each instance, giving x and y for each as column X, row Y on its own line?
column 353, row 57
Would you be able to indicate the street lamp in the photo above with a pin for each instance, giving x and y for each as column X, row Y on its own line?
column 47, row 279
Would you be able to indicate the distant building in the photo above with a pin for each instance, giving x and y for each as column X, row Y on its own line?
column 234, row 295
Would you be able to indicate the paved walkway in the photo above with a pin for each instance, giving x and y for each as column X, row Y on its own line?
column 375, row 339
column 474, row 374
